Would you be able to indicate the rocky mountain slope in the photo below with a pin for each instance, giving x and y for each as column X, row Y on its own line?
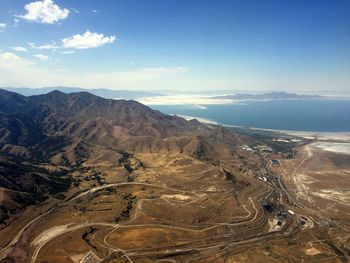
column 86, row 179
column 45, row 138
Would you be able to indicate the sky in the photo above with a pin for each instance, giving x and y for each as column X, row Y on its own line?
column 177, row 45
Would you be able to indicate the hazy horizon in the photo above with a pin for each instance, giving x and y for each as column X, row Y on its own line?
column 336, row 93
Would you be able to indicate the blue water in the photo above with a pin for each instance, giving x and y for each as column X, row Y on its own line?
column 319, row 115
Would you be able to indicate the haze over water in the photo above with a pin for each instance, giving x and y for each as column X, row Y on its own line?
column 317, row 115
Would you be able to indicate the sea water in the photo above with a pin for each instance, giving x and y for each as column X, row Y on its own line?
column 319, row 115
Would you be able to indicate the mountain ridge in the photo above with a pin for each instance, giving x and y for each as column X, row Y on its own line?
column 104, row 93
column 62, row 131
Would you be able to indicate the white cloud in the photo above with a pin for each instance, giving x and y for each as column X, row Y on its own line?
column 48, row 46
column 164, row 70
column 45, row 11
column 75, row 10
column 15, row 22
column 31, row 44
column 84, row 41
column 20, row 49
column 42, row 57
column 12, row 67
column 68, row 52
column 94, row 11
column 2, row 26
column 87, row 40
column 8, row 57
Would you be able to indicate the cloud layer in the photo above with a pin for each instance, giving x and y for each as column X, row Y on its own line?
column 48, row 46
column 45, row 11
column 78, row 41
column 20, row 49
column 42, row 57
column 2, row 26
column 18, row 71
column 87, row 40
column 8, row 57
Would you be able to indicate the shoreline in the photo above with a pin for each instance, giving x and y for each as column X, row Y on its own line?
column 313, row 135
column 310, row 135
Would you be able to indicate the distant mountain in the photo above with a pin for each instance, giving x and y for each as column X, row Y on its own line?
column 104, row 93
column 267, row 96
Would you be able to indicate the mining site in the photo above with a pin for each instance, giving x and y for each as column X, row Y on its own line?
column 115, row 181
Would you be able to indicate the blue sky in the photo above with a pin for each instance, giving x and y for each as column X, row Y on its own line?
column 183, row 45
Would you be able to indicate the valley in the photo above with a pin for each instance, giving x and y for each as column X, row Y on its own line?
column 118, row 182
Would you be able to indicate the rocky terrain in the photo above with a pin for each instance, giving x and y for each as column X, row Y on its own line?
column 87, row 179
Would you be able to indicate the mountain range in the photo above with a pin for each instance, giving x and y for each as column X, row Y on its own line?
column 45, row 138
column 89, row 179
column 104, row 93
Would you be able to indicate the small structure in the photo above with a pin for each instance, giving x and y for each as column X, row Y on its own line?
column 275, row 162
column 247, row 148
